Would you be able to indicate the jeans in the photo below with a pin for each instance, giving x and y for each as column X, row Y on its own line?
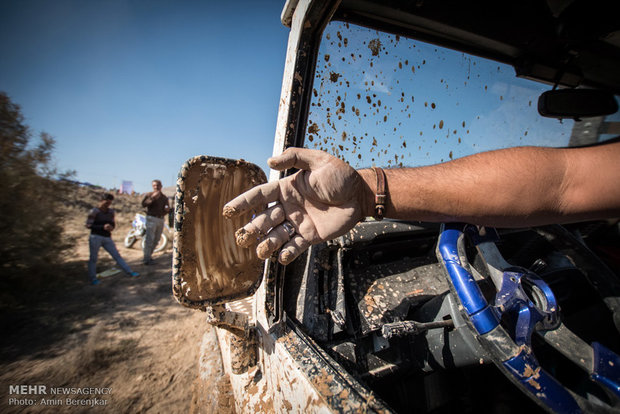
column 154, row 228
column 95, row 242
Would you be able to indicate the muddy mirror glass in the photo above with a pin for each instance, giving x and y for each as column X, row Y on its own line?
column 208, row 266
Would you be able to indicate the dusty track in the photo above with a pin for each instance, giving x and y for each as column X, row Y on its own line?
column 127, row 334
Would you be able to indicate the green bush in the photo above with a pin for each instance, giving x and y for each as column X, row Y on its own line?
column 31, row 217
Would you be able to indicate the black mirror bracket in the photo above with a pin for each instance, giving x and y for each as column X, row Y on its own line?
column 576, row 103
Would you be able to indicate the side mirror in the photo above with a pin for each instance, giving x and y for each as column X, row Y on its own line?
column 576, row 103
column 208, row 266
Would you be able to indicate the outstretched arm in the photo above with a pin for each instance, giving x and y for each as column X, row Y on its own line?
column 514, row 187
column 505, row 188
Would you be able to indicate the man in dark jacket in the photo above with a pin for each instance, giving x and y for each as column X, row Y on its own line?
column 101, row 223
column 157, row 208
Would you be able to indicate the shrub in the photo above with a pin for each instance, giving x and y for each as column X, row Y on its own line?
column 31, row 220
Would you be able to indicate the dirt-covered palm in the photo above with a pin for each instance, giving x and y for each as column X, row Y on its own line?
column 321, row 201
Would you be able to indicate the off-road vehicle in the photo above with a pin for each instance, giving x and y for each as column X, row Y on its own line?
column 407, row 316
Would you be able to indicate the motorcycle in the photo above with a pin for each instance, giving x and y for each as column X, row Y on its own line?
column 138, row 231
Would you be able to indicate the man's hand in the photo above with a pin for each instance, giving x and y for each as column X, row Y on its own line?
column 322, row 201
column 108, row 227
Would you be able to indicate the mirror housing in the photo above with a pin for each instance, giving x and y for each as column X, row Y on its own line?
column 209, row 268
column 576, row 103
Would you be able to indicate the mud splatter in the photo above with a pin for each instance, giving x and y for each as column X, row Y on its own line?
column 229, row 211
column 245, row 238
column 375, row 46
column 313, row 128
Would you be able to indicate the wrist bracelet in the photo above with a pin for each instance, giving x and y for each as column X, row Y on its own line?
column 380, row 196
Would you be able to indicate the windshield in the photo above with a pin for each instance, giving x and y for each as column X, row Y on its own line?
column 382, row 99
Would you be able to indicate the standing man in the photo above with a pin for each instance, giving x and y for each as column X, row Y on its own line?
column 100, row 221
column 157, row 208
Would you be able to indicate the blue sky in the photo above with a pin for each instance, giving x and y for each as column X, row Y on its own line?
column 132, row 89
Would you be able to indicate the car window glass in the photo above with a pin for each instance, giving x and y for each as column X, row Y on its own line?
column 382, row 99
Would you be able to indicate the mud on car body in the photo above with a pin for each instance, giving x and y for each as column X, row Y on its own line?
column 419, row 317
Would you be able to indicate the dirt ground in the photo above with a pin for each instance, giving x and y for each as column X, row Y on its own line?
column 127, row 335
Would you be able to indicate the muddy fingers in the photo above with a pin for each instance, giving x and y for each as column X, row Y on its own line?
column 255, row 198
column 302, row 158
column 252, row 232
column 293, row 249
column 273, row 241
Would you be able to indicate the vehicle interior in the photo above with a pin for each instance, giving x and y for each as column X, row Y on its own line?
column 442, row 317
